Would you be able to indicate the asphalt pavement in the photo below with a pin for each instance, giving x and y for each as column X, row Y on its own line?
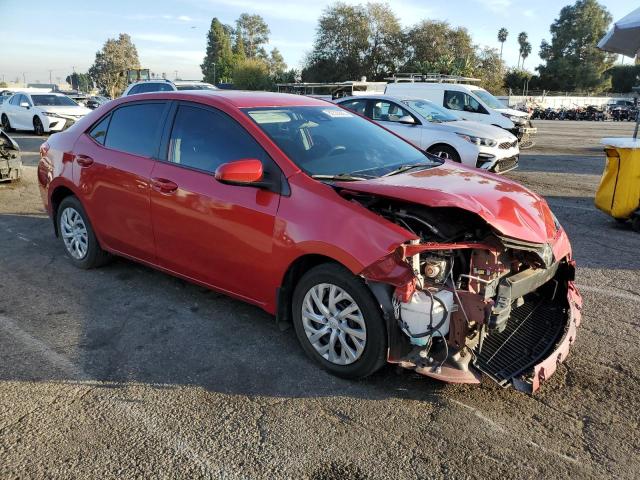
column 125, row 372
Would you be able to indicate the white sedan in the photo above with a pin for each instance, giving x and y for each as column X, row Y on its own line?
column 436, row 131
column 40, row 112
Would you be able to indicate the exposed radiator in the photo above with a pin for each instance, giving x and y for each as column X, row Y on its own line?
column 532, row 331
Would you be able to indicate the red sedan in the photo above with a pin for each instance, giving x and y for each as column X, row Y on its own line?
column 374, row 250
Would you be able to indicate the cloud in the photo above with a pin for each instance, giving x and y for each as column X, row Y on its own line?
column 184, row 18
column 496, row 6
column 529, row 13
column 158, row 37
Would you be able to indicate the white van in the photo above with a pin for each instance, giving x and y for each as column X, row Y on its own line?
column 469, row 102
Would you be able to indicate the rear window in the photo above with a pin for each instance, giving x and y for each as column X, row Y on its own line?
column 99, row 131
column 135, row 128
column 151, row 87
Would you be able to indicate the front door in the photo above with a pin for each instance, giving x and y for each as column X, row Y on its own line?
column 214, row 233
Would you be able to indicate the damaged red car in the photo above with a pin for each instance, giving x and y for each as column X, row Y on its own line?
column 375, row 251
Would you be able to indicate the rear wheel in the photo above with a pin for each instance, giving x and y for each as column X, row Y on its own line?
column 38, row 128
column 77, row 235
column 445, row 151
column 338, row 323
column 6, row 125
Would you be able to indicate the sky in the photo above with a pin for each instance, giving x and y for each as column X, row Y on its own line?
column 44, row 39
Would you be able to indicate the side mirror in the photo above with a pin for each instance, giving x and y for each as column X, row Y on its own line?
column 240, row 172
column 24, row 104
column 407, row 120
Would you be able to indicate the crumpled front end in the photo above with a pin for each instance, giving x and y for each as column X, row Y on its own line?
column 10, row 159
column 466, row 301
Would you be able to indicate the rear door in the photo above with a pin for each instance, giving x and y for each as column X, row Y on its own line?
column 215, row 233
column 113, row 164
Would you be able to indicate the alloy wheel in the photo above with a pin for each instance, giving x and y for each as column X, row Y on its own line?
column 74, row 233
column 334, row 324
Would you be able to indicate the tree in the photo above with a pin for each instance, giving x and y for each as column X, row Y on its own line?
column 515, row 79
column 4, row 84
column 525, row 51
column 252, row 74
column 490, row 69
column 80, row 81
column 386, row 41
column 239, row 52
column 276, row 63
column 572, row 60
column 255, row 33
column 109, row 68
column 503, row 33
column 624, row 77
column 218, row 61
column 436, row 47
column 522, row 41
column 342, row 38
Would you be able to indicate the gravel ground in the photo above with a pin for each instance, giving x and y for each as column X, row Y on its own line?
column 125, row 372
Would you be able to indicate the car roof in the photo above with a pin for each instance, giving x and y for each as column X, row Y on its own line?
column 237, row 98
column 394, row 98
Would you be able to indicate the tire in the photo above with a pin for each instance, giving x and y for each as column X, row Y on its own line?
column 362, row 329
column 445, row 151
column 38, row 128
column 74, row 228
column 6, row 124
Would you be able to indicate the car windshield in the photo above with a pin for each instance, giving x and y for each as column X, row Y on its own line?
column 330, row 141
column 196, row 86
column 490, row 100
column 52, row 101
column 430, row 111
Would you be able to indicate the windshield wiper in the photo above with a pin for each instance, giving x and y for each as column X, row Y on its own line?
column 343, row 177
column 404, row 168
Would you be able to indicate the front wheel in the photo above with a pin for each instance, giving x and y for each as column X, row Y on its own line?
column 338, row 323
column 6, row 125
column 38, row 128
column 445, row 151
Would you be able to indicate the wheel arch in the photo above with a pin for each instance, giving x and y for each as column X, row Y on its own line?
column 448, row 145
column 58, row 194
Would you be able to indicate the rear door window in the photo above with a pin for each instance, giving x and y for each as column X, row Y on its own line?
column 135, row 129
column 358, row 106
column 204, row 138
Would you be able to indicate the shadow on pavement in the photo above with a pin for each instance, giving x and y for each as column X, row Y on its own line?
column 129, row 323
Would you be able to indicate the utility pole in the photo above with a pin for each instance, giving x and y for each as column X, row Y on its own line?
column 50, row 80
column 176, row 72
column 24, row 79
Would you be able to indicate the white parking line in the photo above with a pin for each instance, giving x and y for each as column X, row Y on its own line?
column 610, row 292
column 151, row 423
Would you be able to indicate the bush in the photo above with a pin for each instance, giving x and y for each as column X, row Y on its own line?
column 252, row 74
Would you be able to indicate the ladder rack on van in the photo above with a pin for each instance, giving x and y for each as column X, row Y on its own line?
column 430, row 77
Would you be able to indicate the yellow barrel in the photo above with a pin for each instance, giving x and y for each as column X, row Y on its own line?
column 619, row 190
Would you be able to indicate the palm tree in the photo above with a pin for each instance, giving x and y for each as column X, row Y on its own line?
column 522, row 39
column 525, row 51
column 503, row 33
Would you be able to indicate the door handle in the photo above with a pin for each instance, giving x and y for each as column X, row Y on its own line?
column 84, row 160
column 163, row 185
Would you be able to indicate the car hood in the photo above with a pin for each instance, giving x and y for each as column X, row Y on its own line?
column 507, row 206
column 515, row 113
column 477, row 129
column 66, row 110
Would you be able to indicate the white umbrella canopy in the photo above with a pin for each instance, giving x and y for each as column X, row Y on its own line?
column 624, row 37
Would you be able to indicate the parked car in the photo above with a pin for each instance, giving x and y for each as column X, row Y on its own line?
column 10, row 159
column 95, row 101
column 40, row 112
column 469, row 102
column 435, row 130
column 146, row 86
column 374, row 249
